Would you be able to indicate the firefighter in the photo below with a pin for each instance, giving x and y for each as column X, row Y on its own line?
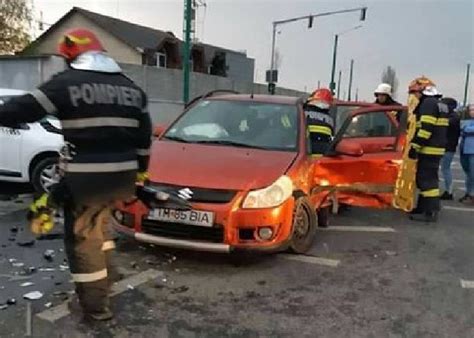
column 384, row 96
column 107, row 130
column 320, row 122
column 321, row 132
column 428, row 146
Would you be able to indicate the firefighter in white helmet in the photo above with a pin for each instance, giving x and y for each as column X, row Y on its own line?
column 383, row 96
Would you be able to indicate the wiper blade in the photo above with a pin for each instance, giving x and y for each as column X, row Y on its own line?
column 175, row 138
column 229, row 143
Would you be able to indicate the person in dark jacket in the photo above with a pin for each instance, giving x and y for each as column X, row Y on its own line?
column 453, row 133
column 428, row 146
column 383, row 96
column 107, row 130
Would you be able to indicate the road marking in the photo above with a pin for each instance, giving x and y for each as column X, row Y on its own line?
column 62, row 310
column 311, row 260
column 458, row 208
column 358, row 228
column 467, row 284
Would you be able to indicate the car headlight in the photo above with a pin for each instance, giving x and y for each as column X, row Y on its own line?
column 271, row 196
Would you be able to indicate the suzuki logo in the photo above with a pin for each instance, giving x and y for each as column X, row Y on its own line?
column 186, row 194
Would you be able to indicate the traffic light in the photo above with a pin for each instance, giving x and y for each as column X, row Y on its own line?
column 363, row 13
column 310, row 21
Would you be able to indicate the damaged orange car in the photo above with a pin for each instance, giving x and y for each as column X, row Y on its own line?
column 243, row 162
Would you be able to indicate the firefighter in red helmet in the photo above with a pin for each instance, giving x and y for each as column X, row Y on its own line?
column 107, row 132
column 320, row 122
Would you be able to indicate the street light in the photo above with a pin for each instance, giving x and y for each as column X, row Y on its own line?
column 332, row 84
column 272, row 75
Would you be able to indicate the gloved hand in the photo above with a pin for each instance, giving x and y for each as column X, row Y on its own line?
column 40, row 216
column 413, row 154
column 142, row 177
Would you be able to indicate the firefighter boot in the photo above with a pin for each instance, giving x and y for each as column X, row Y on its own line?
column 427, row 217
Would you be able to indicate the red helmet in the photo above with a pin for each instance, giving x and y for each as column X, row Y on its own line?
column 321, row 98
column 78, row 41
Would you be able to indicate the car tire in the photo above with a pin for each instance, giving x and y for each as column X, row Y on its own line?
column 304, row 227
column 323, row 217
column 43, row 171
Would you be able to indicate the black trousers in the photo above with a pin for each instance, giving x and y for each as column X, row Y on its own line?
column 427, row 182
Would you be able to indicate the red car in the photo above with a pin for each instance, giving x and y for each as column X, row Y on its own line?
column 243, row 163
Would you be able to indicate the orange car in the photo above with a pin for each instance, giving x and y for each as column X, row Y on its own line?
column 243, row 163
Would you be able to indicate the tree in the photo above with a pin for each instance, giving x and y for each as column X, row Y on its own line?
column 390, row 76
column 15, row 19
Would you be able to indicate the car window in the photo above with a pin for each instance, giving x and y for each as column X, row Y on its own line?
column 375, row 124
column 246, row 123
column 340, row 114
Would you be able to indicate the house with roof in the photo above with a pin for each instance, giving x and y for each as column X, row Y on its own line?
column 134, row 44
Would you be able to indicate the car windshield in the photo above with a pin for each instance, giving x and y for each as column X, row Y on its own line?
column 237, row 123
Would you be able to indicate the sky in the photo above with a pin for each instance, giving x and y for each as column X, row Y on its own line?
column 416, row 37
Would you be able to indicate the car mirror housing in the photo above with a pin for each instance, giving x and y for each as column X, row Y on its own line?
column 349, row 148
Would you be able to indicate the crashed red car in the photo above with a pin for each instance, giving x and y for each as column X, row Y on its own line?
column 243, row 163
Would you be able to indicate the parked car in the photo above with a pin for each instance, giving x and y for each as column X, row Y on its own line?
column 29, row 152
column 243, row 162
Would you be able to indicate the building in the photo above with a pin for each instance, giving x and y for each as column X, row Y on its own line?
column 129, row 43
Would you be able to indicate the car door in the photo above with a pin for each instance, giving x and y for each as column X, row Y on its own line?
column 362, row 166
column 11, row 140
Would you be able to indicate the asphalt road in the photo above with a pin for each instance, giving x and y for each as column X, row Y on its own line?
column 372, row 274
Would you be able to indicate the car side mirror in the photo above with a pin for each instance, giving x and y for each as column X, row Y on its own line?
column 159, row 129
column 349, row 148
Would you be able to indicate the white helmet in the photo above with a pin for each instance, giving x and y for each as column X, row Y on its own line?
column 383, row 88
column 431, row 91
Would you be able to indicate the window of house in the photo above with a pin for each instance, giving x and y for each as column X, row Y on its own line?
column 161, row 60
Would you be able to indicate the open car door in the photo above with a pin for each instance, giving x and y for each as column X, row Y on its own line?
column 362, row 165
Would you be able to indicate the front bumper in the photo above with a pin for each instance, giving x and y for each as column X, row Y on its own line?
column 232, row 222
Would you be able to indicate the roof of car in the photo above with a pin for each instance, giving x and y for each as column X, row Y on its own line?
column 275, row 99
column 11, row 92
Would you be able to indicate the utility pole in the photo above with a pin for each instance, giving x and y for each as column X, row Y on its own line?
column 339, row 84
column 466, row 87
column 332, row 84
column 187, row 49
column 350, row 80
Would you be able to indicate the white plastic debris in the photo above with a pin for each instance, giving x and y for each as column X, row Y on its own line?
column 34, row 295
column 48, row 305
column 47, row 269
column 26, row 284
column 130, row 287
column 3, row 307
column 18, row 264
column 12, row 260
column 63, row 267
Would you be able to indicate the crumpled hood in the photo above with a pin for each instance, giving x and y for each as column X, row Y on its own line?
column 216, row 167
column 96, row 61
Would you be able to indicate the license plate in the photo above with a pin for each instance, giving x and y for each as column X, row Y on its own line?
column 190, row 217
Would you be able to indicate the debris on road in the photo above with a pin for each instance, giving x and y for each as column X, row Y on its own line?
column 11, row 301
column 130, row 287
column 48, row 305
column 34, row 295
column 14, row 229
column 47, row 269
column 18, row 264
column 3, row 307
column 49, row 255
column 63, row 267
column 391, row 253
column 26, row 243
column 26, row 284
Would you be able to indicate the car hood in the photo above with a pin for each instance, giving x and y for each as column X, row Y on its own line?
column 216, row 167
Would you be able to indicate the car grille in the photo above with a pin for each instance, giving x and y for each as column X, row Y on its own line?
column 202, row 195
column 183, row 231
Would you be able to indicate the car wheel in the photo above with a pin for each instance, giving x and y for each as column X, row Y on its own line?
column 304, row 226
column 45, row 174
column 323, row 217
